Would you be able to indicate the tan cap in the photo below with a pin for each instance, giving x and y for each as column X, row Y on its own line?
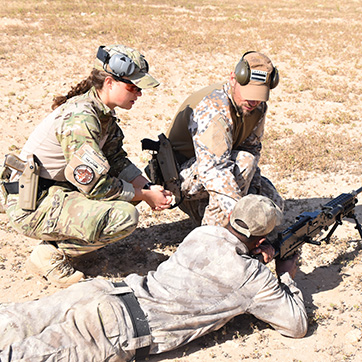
column 259, row 213
column 261, row 68
column 140, row 76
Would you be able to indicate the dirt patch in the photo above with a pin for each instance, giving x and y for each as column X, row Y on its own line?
column 44, row 52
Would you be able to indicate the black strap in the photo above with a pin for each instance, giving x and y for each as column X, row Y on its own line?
column 138, row 318
column 13, row 187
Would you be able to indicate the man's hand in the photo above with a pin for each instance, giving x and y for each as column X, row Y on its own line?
column 266, row 252
column 287, row 266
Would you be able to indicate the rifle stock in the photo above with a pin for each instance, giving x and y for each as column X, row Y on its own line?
column 310, row 224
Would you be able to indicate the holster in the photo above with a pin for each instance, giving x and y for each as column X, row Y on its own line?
column 5, row 173
column 163, row 168
column 28, row 185
column 28, row 181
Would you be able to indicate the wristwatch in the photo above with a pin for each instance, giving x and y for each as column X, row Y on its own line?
column 148, row 185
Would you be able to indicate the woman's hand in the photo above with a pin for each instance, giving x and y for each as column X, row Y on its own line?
column 157, row 197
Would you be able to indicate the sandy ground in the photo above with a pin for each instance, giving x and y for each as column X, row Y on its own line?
column 329, row 276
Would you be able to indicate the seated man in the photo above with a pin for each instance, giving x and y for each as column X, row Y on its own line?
column 216, row 135
column 210, row 279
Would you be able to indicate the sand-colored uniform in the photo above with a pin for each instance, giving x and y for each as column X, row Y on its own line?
column 80, row 148
column 219, row 151
column 208, row 281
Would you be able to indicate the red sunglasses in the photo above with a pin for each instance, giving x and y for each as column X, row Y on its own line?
column 130, row 86
column 133, row 88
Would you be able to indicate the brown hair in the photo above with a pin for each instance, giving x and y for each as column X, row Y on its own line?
column 95, row 79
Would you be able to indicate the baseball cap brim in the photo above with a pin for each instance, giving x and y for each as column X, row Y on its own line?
column 255, row 92
column 143, row 80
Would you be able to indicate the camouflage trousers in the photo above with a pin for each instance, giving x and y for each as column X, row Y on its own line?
column 78, row 225
column 211, row 208
column 85, row 322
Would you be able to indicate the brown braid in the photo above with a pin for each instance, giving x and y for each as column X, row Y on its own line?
column 96, row 79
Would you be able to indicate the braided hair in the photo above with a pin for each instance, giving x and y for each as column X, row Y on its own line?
column 96, row 79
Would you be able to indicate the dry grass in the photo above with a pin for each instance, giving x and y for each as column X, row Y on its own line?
column 310, row 151
column 316, row 46
column 298, row 28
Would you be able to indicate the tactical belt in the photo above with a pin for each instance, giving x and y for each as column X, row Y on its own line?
column 138, row 318
column 13, row 187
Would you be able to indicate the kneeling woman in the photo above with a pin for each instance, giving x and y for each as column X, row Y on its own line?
column 87, row 187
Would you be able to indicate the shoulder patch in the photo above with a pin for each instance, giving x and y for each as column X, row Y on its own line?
column 83, row 174
column 85, row 168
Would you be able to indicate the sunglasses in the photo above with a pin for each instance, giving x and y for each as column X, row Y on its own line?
column 130, row 86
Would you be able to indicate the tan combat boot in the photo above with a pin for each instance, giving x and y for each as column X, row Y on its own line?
column 53, row 265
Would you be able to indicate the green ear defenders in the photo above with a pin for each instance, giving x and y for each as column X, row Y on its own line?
column 120, row 64
column 243, row 73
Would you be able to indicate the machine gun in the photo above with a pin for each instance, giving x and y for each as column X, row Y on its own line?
column 310, row 224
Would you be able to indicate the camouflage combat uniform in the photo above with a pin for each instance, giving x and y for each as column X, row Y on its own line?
column 209, row 280
column 219, row 151
column 79, row 220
